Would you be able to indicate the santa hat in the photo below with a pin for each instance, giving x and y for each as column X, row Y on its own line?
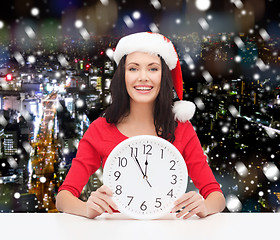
column 156, row 43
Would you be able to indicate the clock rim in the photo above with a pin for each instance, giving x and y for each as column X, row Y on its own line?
column 126, row 142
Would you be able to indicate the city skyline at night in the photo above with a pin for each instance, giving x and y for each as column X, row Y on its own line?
column 55, row 71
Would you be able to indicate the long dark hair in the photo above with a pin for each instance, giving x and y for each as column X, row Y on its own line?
column 163, row 116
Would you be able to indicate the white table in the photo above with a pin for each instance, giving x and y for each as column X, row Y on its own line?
column 237, row 226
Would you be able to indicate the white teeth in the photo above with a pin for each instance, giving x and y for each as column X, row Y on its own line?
column 143, row 88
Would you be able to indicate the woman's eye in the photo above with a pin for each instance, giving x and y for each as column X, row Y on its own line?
column 132, row 69
column 153, row 69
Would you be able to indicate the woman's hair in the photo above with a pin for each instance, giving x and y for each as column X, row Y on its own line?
column 163, row 116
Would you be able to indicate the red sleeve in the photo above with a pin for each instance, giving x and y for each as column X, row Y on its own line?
column 87, row 161
column 198, row 168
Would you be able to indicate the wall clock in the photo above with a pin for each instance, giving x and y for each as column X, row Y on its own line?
column 146, row 174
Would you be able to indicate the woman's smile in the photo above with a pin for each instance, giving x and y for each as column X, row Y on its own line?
column 143, row 89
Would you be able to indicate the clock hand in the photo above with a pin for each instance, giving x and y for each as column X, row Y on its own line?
column 144, row 176
column 138, row 164
column 148, row 182
column 146, row 165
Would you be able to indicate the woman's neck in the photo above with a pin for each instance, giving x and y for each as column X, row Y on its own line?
column 141, row 113
column 140, row 121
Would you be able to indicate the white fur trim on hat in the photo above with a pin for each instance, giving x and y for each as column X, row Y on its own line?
column 153, row 43
column 183, row 110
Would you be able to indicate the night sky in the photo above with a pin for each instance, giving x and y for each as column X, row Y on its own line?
column 171, row 17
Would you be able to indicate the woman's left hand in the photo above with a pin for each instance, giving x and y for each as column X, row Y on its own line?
column 192, row 203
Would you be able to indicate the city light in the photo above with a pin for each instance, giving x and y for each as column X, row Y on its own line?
column 9, row 77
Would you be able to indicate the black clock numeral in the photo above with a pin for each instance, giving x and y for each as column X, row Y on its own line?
column 143, row 206
column 170, row 193
column 118, row 190
column 133, row 151
column 158, row 203
column 161, row 156
column 174, row 180
column 131, row 198
column 122, row 162
column 147, row 149
column 117, row 174
column 173, row 165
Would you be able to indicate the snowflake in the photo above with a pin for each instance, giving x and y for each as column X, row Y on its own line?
column 202, row 5
column 153, row 27
column 136, row 15
column 156, row 4
column 207, row 76
column 265, row 36
column 233, row 203
column 128, row 21
column 203, row 23
column 43, row 179
column 30, row 32
column 17, row 195
column 80, row 103
column 241, row 169
column 105, row 2
column 199, row 103
column 271, row 171
column 31, row 59
column 84, row 33
column 110, row 53
column 35, row 12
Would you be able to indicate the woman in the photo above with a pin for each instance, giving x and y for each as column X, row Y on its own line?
column 142, row 104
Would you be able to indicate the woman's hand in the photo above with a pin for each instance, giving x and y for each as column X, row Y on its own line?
column 192, row 203
column 99, row 202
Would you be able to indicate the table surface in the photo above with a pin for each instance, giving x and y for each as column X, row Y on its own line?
column 117, row 226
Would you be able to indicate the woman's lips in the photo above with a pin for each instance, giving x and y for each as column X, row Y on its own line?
column 143, row 88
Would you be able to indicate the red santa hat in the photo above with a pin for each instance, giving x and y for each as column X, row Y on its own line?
column 156, row 43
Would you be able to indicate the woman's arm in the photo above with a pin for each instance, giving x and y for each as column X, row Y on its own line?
column 193, row 203
column 98, row 202
column 215, row 202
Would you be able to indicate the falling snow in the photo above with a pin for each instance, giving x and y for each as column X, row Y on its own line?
column 61, row 63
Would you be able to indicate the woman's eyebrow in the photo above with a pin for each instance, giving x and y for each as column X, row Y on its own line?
column 154, row 63
column 135, row 63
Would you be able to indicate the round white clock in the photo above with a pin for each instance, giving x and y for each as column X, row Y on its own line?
column 146, row 174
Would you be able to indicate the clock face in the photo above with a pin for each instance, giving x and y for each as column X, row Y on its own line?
column 146, row 174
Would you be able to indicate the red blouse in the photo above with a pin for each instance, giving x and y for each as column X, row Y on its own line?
column 101, row 138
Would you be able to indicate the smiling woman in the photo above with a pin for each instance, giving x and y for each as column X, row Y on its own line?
column 142, row 104
column 120, row 108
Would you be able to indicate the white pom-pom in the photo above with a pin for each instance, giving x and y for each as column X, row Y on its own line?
column 183, row 110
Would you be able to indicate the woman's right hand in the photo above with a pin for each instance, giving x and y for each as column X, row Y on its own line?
column 99, row 202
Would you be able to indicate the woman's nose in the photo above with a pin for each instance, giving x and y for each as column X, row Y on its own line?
column 143, row 75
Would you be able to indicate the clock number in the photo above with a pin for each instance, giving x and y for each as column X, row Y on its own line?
column 174, row 179
column 143, row 206
column 170, row 193
column 161, row 153
column 122, row 162
column 118, row 190
column 173, row 164
column 134, row 151
column 147, row 149
column 117, row 174
column 131, row 198
column 158, row 205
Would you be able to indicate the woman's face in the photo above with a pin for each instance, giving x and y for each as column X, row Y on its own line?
column 142, row 77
